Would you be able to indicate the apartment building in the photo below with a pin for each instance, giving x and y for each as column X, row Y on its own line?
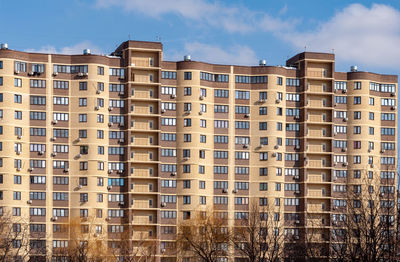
column 130, row 140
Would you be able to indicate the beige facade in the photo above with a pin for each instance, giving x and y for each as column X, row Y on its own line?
column 133, row 140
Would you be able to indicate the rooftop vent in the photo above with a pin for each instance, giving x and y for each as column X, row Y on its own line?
column 86, row 51
column 187, row 58
column 4, row 46
column 353, row 68
column 262, row 62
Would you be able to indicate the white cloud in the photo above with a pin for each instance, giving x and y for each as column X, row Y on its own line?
column 68, row 50
column 358, row 34
column 234, row 55
column 230, row 18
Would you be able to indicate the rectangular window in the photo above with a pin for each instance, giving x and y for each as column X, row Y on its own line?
column 188, row 75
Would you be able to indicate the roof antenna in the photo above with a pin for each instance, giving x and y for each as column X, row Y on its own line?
column 305, row 48
column 158, row 38
column 129, row 37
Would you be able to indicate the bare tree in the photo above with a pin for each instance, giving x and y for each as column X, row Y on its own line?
column 134, row 248
column 367, row 229
column 204, row 236
column 84, row 244
column 14, row 235
column 259, row 237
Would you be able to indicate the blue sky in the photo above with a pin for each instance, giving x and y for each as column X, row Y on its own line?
column 364, row 33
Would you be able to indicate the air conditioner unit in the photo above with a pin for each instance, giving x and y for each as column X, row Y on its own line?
column 120, row 171
column 163, row 110
column 80, row 74
column 31, row 73
column 19, row 137
column 246, row 146
column 296, row 237
column 392, row 94
column 29, row 202
column 224, row 190
column 18, row 169
column 345, row 119
column 96, row 108
column 372, row 166
column 163, row 204
column 66, row 170
column 334, row 90
column 54, row 153
column 345, row 164
column 234, row 191
column 297, row 117
column 296, row 177
column 121, row 93
column 41, row 152
column 262, row 101
column 121, row 140
column 383, row 151
column 31, row 169
column 382, row 194
column 335, row 133
column 277, row 101
column 53, row 138
column 163, row 250
column 110, row 171
column 19, row 152
column 297, row 192
column 262, row 145
column 297, row 221
column 54, row 122
column 121, row 203
column 173, row 96
column 78, row 139
column 121, row 124
column 201, row 97
column 109, row 187
column 16, row 72
column 54, row 218
column 55, row 74
column 393, row 108
column 121, row 77
column 186, row 158
column 173, row 174
column 344, row 149
column 297, row 147
column 78, row 155
column 344, row 91
column 276, row 146
column 86, row 74
column 201, row 112
column 335, row 104
column 108, row 218
column 247, row 115
column 79, row 186
column 110, row 108
column 110, row 124
column 274, row 154
column 369, row 150
column 188, row 111
column 98, row 92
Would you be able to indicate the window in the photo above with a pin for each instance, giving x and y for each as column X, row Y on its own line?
column 187, row 75
column 263, row 126
column 357, row 85
column 279, row 80
column 82, row 101
column 100, row 70
column 82, row 117
column 82, row 85
column 357, row 100
column 17, row 82
column 18, row 115
column 18, row 99
column 371, row 116
column 168, row 75
column 214, row 77
column 167, row 90
column 187, row 91
column 221, row 93
column 245, row 95
column 187, row 122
